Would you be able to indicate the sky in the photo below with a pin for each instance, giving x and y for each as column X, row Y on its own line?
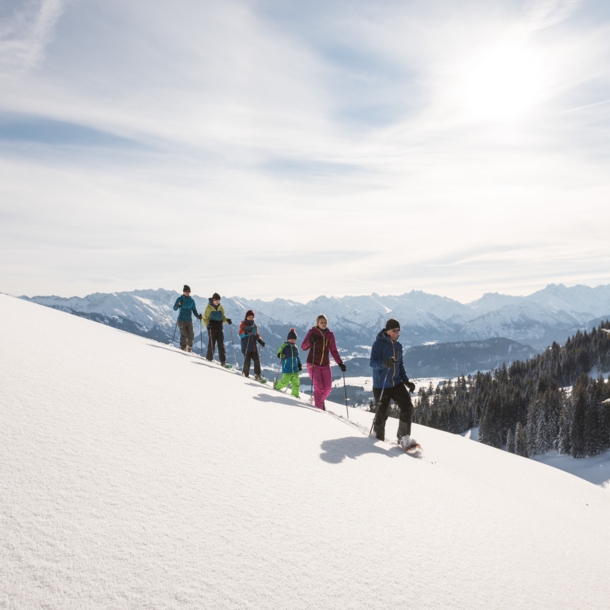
column 277, row 148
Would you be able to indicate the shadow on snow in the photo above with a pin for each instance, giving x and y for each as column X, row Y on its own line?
column 334, row 451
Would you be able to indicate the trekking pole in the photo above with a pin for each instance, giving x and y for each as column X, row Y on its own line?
column 345, row 391
column 379, row 401
column 313, row 367
column 174, row 335
column 233, row 343
column 201, row 336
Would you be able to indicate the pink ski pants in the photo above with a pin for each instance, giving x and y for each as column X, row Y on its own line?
column 322, row 383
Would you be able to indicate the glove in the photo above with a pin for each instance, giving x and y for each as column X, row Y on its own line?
column 389, row 362
column 200, row 317
column 248, row 331
column 300, row 367
column 410, row 385
column 180, row 303
column 229, row 321
column 314, row 338
column 342, row 367
column 262, row 343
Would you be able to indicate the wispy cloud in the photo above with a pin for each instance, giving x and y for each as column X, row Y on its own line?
column 588, row 106
column 547, row 13
column 25, row 31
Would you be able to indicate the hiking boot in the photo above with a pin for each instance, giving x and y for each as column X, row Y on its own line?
column 407, row 441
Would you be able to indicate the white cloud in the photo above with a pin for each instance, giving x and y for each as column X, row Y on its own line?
column 25, row 32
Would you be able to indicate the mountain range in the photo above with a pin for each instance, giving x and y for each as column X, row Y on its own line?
column 548, row 315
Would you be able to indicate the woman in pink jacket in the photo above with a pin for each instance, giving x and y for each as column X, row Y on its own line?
column 320, row 342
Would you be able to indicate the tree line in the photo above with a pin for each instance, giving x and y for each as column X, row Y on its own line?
column 551, row 401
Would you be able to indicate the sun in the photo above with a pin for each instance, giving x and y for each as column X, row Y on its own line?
column 501, row 83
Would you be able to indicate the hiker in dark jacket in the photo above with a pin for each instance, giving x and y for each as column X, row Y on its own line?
column 187, row 307
column 213, row 319
column 248, row 333
column 389, row 381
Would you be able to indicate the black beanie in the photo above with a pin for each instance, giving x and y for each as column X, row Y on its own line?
column 215, row 297
column 392, row 323
column 292, row 334
column 186, row 288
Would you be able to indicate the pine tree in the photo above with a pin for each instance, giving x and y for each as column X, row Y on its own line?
column 510, row 441
column 521, row 441
column 579, row 399
column 535, row 424
column 564, row 440
column 551, row 408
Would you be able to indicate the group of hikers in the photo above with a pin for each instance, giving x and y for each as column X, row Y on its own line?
column 390, row 381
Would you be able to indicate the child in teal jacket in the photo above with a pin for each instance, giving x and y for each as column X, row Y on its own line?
column 291, row 364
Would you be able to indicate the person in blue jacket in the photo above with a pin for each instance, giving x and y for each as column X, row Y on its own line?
column 187, row 307
column 390, row 382
column 291, row 364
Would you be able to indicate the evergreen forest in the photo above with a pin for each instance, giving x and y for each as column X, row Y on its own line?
column 555, row 400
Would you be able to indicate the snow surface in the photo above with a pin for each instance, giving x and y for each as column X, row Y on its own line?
column 136, row 476
column 472, row 434
column 593, row 469
column 596, row 469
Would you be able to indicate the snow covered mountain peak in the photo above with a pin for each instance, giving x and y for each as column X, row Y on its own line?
column 548, row 315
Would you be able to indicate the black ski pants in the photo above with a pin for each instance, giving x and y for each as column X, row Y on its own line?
column 216, row 337
column 248, row 357
column 400, row 395
column 186, row 334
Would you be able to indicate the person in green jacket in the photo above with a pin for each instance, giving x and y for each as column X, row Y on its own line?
column 187, row 307
column 291, row 364
column 213, row 319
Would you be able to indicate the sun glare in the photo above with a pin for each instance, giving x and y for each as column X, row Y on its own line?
column 501, row 83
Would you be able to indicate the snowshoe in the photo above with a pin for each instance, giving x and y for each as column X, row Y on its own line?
column 260, row 379
column 408, row 443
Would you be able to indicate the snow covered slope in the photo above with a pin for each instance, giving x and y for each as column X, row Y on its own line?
column 136, row 476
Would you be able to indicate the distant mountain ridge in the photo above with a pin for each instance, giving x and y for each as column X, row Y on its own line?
column 548, row 315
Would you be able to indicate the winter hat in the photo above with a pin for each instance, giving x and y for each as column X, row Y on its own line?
column 291, row 334
column 215, row 297
column 186, row 288
column 392, row 324
column 248, row 313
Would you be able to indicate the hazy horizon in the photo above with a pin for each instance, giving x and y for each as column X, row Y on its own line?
column 308, row 299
